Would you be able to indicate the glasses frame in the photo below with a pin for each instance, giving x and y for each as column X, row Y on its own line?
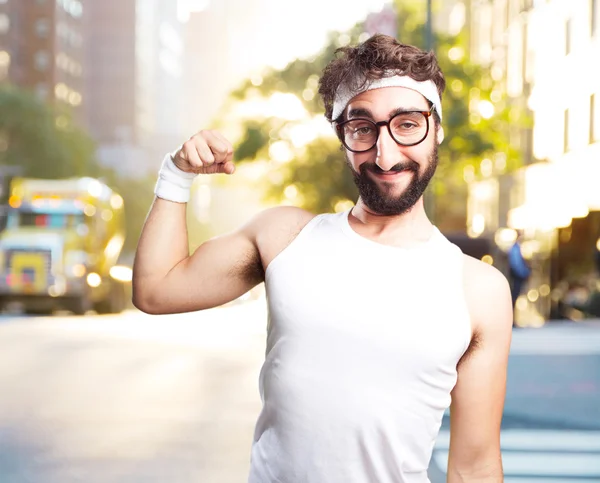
column 379, row 125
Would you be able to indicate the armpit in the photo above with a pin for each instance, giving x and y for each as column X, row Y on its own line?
column 473, row 346
column 251, row 269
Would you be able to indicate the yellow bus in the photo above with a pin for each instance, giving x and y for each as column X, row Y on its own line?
column 60, row 247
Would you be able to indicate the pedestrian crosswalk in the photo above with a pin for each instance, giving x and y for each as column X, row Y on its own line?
column 536, row 456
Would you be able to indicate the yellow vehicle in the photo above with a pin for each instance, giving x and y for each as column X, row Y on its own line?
column 60, row 247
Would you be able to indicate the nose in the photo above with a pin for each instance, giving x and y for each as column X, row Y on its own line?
column 389, row 152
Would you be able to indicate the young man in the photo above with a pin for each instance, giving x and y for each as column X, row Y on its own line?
column 377, row 323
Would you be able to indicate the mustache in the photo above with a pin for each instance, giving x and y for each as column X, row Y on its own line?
column 407, row 166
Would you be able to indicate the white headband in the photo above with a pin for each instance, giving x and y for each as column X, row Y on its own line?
column 427, row 89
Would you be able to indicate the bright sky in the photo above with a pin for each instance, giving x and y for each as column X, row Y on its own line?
column 302, row 25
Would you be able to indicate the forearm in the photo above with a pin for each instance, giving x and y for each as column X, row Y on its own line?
column 163, row 244
column 488, row 471
column 165, row 279
column 458, row 478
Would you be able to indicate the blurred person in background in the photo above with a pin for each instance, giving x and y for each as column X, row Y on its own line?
column 597, row 256
column 519, row 269
column 377, row 323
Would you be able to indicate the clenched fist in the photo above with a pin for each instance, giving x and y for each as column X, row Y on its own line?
column 207, row 152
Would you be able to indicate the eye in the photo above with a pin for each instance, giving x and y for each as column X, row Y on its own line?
column 407, row 125
column 360, row 129
column 409, row 121
column 364, row 130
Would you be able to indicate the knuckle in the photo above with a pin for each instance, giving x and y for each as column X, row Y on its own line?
column 180, row 156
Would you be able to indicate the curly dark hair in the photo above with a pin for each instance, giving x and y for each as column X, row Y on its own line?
column 377, row 57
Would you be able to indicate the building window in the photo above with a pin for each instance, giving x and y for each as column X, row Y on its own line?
column 4, row 64
column 41, row 60
column 61, row 91
column 42, row 28
column 73, row 7
column 4, row 23
column 568, row 37
column 566, row 132
column 75, row 39
column 76, row 9
column 42, row 90
column 75, row 98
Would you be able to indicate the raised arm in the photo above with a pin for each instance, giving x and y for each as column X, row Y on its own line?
column 478, row 397
column 166, row 279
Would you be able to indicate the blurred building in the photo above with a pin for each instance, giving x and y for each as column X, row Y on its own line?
column 542, row 56
column 134, row 55
column 159, row 75
column 229, row 41
column 224, row 42
column 208, row 78
column 41, row 49
column 117, row 63
column 111, row 71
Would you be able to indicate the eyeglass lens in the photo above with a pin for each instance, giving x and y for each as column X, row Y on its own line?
column 406, row 128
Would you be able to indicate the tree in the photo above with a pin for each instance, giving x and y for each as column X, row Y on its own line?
column 42, row 139
column 137, row 194
column 476, row 122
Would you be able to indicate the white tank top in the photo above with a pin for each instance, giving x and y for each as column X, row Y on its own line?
column 363, row 343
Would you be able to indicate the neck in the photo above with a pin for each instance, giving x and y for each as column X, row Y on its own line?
column 412, row 226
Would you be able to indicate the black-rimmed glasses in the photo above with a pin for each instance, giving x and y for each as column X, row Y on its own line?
column 407, row 128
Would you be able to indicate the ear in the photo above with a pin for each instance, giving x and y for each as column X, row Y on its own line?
column 440, row 135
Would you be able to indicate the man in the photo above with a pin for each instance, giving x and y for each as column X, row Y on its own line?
column 519, row 269
column 376, row 321
column 597, row 255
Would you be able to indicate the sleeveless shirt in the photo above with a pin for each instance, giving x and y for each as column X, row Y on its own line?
column 362, row 346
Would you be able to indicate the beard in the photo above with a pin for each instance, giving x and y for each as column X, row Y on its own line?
column 379, row 199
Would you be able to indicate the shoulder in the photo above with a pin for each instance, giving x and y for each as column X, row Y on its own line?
column 274, row 229
column 287, row 215
column 487, row 294
column 278, row 221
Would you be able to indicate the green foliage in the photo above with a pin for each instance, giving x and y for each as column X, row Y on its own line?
column 137, row 198
column 256, row 136
column 45, row 143
column 319, row 175
column 318, row 170
column 43, row 140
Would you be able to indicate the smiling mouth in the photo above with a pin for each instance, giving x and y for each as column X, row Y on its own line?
column 391, row 174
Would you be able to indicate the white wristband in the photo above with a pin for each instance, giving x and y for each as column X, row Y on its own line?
column 173, row 184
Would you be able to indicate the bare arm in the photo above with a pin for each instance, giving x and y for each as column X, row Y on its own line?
column 478, row 397
column 165, row 278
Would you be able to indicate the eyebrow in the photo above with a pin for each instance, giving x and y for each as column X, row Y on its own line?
column 362, row 112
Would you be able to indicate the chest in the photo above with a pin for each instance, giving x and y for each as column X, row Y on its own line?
column 385, row 313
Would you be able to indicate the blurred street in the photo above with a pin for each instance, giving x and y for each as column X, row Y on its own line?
column 134, row 398
column 95, row 93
